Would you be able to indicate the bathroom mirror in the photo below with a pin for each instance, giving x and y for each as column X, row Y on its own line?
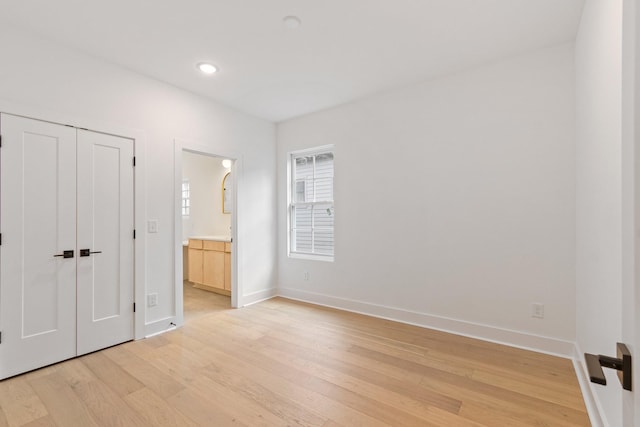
column 226, row 194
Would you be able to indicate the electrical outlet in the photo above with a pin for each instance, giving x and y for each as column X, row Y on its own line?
column 152, row 226
column 152, row 300
column 537, row 310
column 306, row 275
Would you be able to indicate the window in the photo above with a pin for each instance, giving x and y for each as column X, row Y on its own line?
column 185, row 198
column 311, row 210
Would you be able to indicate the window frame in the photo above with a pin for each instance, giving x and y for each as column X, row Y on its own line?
column 292, row 187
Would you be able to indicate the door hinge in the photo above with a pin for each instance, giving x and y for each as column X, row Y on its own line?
column 0, row 238
column 134, row 161
column 134, row 307
column 0, row 140
column 0, row 337
column 134, row 233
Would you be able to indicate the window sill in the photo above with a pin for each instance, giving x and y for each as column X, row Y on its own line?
column 311, row 257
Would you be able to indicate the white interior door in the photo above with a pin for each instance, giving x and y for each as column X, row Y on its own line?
column 105, row 227
column 63, row 190
column 38, row 223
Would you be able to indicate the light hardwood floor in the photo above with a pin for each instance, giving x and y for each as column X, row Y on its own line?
column 287, row 363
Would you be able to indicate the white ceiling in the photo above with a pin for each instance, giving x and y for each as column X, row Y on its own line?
column 344, row 49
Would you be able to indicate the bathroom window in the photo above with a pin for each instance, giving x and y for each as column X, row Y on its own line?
column 186, row 204
column 311, row 208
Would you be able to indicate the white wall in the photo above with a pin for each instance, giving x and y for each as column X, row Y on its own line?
column 454, row 202
column 205, row 175
column 598, row 192
column 44, row 76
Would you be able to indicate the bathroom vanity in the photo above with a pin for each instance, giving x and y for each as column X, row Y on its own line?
column 209, row 260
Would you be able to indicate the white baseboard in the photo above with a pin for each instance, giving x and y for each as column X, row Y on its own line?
column 159, row 326
column 256, row 297
column 591, row 401
column 540, row 344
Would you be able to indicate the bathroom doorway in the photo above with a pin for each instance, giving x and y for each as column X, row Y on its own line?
column 205, row 223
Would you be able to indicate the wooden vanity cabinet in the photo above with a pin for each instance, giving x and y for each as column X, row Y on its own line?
column 227, row 267
column 213, row 264
column 210, row 265
column 195, row 261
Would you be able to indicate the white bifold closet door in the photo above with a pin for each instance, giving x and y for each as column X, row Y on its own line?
column 66, row 256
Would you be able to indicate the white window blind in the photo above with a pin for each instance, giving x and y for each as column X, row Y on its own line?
column 311, row 212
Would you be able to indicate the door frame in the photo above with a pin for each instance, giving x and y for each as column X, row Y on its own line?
column 139, row 189
column 631, row 194
column 630, row 174
column 197, row 147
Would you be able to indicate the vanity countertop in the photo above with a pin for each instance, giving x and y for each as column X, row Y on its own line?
column 218, row 238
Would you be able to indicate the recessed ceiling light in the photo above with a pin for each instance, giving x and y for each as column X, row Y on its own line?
column 291, row 22
column 207, row 68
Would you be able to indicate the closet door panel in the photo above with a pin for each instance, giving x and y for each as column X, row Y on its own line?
column 38, row 222
column 105, row 227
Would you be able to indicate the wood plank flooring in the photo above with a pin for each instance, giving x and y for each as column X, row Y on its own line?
column 285, row 363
